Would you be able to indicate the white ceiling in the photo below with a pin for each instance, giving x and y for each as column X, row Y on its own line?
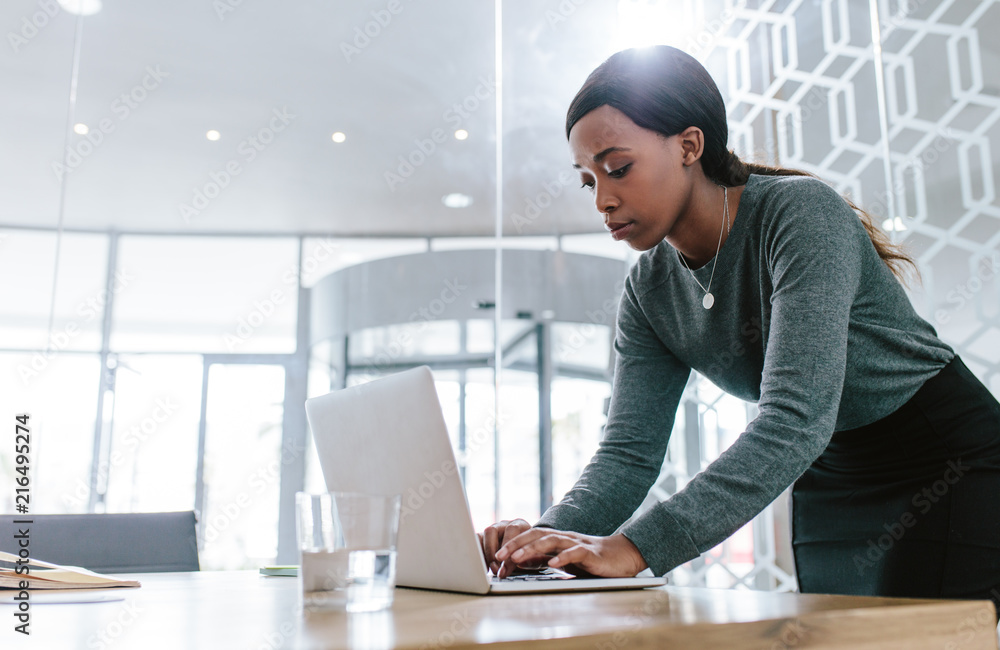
column 230, row 70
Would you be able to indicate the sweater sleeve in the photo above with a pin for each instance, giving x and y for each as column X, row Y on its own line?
column 648, row 383
column 813, row 254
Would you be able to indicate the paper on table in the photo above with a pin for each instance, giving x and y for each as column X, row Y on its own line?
column 63, row 596
column 45, row 575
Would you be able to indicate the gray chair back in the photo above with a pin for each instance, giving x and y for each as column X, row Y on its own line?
column 109, row 543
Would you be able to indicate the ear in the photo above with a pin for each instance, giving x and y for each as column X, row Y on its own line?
column 692, row 142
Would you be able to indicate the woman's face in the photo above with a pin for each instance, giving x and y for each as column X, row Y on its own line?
column 641, row 180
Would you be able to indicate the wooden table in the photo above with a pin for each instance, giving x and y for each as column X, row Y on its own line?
column 243, row 610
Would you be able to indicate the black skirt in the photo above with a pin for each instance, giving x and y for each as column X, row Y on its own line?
column 908, row 505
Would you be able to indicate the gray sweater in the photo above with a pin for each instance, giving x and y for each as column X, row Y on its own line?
column 808, row 322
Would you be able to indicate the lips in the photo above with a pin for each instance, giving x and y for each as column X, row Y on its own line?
column 620, row 230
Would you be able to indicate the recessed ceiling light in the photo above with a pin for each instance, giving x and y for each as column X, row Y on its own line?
column 81, row 7
column 213, row 135
column 461, row 134
column 81, row 129
column 456, row 200
column 339, row 137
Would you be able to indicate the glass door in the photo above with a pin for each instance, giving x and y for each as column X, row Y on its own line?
column 241, row 460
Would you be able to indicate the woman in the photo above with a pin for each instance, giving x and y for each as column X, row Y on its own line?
column 782, row 292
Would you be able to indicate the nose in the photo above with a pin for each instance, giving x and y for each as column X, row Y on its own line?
column 606, row 201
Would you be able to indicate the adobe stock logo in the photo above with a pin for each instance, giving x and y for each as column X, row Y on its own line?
column 425, row 148
column 30, row 27
column 60, row 340
column 249, row 148
column 985, row 270
column 415, row 498
column 363, row 35
column 121, row 107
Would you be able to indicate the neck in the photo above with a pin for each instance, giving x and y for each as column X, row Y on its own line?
column 695, row 235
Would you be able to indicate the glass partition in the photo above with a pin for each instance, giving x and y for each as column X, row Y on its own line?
column 804, row 88
column 316, row 189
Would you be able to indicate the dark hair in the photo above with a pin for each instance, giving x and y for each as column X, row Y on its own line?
column 666, row 90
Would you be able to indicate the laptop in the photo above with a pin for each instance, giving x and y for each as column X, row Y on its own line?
column 389, row 437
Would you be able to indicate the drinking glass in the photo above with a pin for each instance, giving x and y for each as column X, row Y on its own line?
column 347, row 543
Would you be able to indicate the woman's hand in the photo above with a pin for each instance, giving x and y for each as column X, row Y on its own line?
column 610, row 557
column 495, row 536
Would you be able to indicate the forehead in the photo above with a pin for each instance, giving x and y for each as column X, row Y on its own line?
column 599, row 129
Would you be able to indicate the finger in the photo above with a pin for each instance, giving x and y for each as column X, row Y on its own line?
column 505, row 570
column 541, row 548
column 510, row 567
column 512, row 530
column 577, row 554
column 482, row 545
column 490, row 543
column 513, row 544
column 493, row 539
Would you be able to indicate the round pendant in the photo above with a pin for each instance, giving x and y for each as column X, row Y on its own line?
column 708, row 301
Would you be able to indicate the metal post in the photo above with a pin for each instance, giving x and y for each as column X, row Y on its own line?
column 105, row 381
column 543, row 332
column 692, row 457
column 199, row 473
column 692, row 438
column 293, row 430
column 462, row 379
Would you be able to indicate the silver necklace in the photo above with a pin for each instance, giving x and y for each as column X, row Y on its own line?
column 709, row 299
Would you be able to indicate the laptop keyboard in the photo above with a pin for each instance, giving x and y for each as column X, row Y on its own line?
column 546, row 574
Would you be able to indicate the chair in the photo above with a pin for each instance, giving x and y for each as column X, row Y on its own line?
column 109, row 543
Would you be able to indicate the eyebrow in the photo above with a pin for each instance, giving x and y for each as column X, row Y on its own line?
column 604, row 154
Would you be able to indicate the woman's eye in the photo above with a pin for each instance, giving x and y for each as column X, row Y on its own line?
column 618, row 173
column 615, row 173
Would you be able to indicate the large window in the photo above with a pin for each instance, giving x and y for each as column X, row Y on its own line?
column 30, row 271
column 206, row 294
column 61, row 400
column 154, row 443
column 243, row 464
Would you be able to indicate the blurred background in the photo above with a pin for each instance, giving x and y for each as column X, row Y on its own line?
column 210, row 211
